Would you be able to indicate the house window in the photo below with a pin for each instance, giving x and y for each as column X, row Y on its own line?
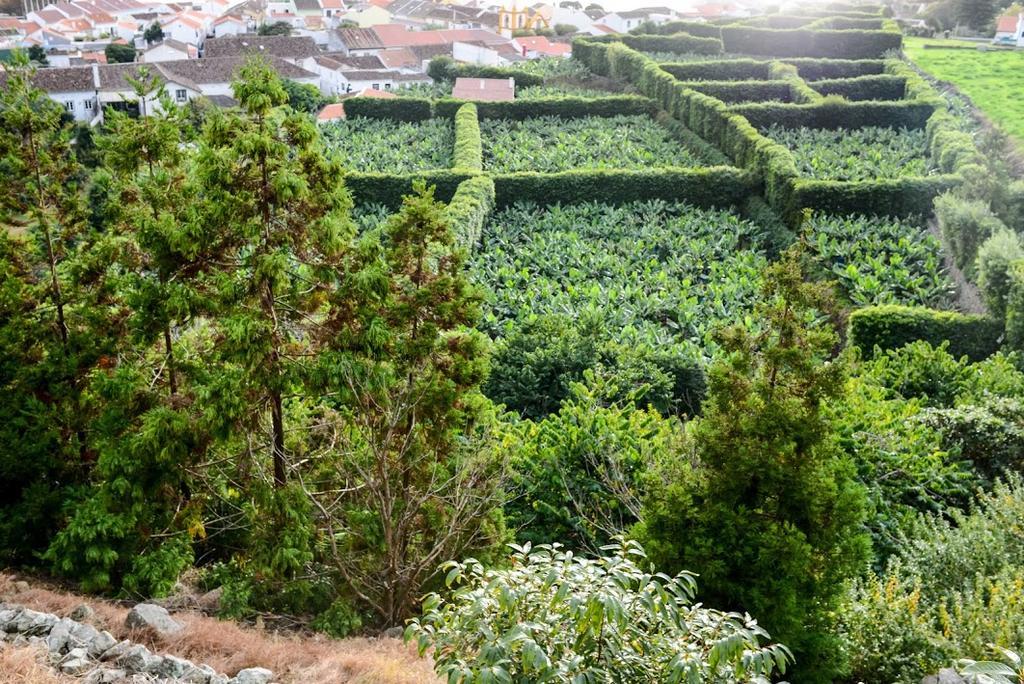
column 348, row 87
column 376, row 86
column 69, row 105
column 387, row 86
column 181, row 95
column 88, row 105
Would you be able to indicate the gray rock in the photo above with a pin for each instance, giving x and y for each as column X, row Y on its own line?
column 147, row 615
column 155, row 665
column 8, row 618
column 60, row 635
column 253, row 675
column 945, row 676
column 210, row 601
column 136, row 659
column 174, row 667
column 393, row 633
column 75, row 662
column 33, row 623
column 21, row 586
column 82, row 612
column 117, row 651
column 19, row 640
column 100, row 643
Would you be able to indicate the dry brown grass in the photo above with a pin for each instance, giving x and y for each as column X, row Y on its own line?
column 25, row 665
column 229, row 647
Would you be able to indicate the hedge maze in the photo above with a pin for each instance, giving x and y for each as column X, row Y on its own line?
column 789, row 125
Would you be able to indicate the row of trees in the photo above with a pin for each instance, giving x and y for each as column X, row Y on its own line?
column 200, row 355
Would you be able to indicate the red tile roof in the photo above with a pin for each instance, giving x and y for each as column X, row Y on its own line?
column 335, row 110
column 485, row 89
column 542, row 45
column 1007, row 24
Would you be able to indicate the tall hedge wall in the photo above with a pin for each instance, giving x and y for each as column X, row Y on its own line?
column 565, row 107
column 388, row 189
column 723, row 70
column 897, row 196
column 452, row 70
column 397, row 108
column 469, row 208
column 872, row 87
column 892, row 327
column 679, row 42
column 818, row 69
column 721, row 186
column 744, row 91
column 469, row 152
column 838, row 114
column 845, row 44
column 694, row 28
column 799, row 91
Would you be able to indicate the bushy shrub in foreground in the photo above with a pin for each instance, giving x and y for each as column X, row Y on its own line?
column 556, row 617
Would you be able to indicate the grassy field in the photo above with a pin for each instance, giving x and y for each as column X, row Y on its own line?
column 994, row 80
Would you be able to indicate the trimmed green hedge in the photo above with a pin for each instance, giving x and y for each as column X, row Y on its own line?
column 565, row 107
column 892, row 327
column 845, row 44
column 1015, row 308
column 388, row 189
column 872, row 87
column 469, row 208
column 694, row 28
column 708, row 154
column 744, row 91
column 896, row 197
column 720, row 186
column 724, row 70
column 818, row 69
column 834, row 114
column 396, row 108
column 799, row 91
column 681, row 43
column 449, row 70
column 469, row 151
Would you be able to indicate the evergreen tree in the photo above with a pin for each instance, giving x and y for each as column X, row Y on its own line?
column 977, row 14
column 154, row 33
column 767, row 511
column 412, row 460
column 275, row 216
column 47, row 346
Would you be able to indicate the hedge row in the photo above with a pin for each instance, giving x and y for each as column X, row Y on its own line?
column 388, row 189
column 694, row 28
column 845, row 44
column 799, row 91
column 818, row 69
column 778, row 21
column 877, row 87
column 682, row 43
column 565, row 107
column 744, row 91
column 724, row 70
column 396, row 108
column 892, row 327
column 1015, row 308
column 469, row 208
column 844, row 23
column 897, row 197
column 721, row 186
column 833, row 114
column 469, row 151
column 708, row 154
column 449, row 70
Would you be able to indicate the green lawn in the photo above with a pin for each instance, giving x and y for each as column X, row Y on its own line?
column 994, row 80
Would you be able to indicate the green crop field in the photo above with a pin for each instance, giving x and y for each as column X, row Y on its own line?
column 994, row 79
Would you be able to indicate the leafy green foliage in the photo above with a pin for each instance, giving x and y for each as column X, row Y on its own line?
column 965, row 224
column 550, row 144
column 119, row 52
column 646, row 283
column 304, row 97
column 366, row 144
column 556, row 617
column 881, row 260
column 854, row 155
column 995, row 255
column 767, row 508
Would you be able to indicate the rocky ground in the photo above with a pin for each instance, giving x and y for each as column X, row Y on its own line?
column 51, row 636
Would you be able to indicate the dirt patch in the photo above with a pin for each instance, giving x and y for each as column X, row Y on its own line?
column 229, row 647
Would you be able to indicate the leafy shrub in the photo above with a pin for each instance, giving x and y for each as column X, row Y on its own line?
column 871, row 87
column 798, row 42
column 920, row 371
column 469, row 208
column 577, row 474
column 556, row 617
column 468, row 153
column 991, row 434
column 995, row 255
column 965, row 224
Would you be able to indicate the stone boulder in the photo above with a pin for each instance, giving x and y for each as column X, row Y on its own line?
column 253, row 675
column 149, row 616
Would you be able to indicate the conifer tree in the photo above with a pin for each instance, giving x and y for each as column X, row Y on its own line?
column 769, row 514
column 413, row 461
column 274, row 218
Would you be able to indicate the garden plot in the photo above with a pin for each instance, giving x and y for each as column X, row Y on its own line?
column 861, row 154
column 881, row 260
column 668, row 270
column 551, row 144
column 386, row 146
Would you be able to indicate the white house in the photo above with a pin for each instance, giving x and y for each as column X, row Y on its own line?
column 188, row 27
column 625, row 21
column 1010, row 30
column 229, row 25
column 169, row 50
